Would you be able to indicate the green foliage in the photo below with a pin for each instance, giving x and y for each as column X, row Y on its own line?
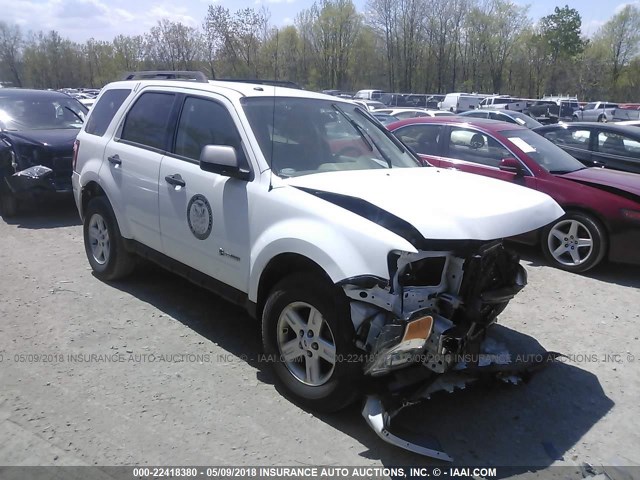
column 561, row 31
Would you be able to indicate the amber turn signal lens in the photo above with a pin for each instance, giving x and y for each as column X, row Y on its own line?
column 418, row 329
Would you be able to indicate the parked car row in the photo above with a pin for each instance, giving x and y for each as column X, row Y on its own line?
column 86, row 96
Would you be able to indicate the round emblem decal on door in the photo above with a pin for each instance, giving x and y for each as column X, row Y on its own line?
column 199, row 217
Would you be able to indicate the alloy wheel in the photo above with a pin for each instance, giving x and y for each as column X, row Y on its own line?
column 99, row 239
column 570, row 243
column 306, row 344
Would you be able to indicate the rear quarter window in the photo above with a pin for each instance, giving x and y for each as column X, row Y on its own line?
column 104, row 110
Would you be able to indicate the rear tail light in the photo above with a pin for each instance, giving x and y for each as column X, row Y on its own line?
column 76, row 147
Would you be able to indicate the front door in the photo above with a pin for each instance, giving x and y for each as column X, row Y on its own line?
column 476, row 152
column 618, row 151
column 203, row 215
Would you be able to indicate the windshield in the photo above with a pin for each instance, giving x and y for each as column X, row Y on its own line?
column 41, row 113
column 304, row 136
column 550, row 157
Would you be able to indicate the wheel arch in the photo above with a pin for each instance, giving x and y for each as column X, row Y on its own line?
column 590, row 212
column 91, row 190
column 281, row 266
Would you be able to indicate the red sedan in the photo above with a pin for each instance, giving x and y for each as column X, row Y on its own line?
column 602, row 206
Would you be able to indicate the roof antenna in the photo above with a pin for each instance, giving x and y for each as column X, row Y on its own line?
column 273, row 118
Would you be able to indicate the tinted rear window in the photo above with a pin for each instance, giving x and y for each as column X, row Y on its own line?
column 146, row 122
column 104, row 110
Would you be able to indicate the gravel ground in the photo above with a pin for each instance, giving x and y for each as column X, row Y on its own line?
column 65, row 401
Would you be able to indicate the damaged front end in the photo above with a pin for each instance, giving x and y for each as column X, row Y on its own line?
column 425, row 329
column 435, row 308
column 32, row 169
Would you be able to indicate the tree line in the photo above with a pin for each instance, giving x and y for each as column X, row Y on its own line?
column 419, row 46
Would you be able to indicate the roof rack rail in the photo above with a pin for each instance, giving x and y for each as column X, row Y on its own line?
column 189, row 75
column 260, row 81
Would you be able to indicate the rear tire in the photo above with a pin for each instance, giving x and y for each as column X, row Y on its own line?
column 103, row 243
column 576, row 242
column 308, row 335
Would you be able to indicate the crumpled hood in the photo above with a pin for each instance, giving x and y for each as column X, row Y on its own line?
column 442, row 204
column 625, row 181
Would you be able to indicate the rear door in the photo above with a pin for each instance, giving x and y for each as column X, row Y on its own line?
column 133, row 163
column 424, row 139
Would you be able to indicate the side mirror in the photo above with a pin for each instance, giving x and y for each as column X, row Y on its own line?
column 223, row 160
column 512, row 165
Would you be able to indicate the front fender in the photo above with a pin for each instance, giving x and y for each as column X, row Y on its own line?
column 340, row 254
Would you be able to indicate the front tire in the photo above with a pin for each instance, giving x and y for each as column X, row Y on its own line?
column 307, row 332
column 8, row 203
column 576, row 242
column 103, row 243
column 602, row 119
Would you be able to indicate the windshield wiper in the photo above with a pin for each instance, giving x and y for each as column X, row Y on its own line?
column 401, row 146
column 363, row 134
column 357, row 127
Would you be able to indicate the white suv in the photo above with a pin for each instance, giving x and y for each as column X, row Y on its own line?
column 299, row 206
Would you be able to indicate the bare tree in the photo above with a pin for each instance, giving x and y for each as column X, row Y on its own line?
column 11, row 44
column 620, row 37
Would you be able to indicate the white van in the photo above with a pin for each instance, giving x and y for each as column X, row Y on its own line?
column 461, row 102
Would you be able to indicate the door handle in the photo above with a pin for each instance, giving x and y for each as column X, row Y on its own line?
column 114, row 160
column 175, row 180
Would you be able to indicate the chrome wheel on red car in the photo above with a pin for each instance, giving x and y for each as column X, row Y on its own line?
column 576, row 242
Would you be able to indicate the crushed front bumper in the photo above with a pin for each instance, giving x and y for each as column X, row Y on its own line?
column 37, row 179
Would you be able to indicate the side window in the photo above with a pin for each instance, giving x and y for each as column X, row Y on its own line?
column 205, row 122
column 422, row 138
column 146, row 122
column 570, row 137
column 476, row 147
column 103, row 111
column 614, row 144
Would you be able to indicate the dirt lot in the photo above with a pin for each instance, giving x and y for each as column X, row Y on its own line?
column 64, row 400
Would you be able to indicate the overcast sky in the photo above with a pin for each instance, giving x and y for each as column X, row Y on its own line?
column 80, row 20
